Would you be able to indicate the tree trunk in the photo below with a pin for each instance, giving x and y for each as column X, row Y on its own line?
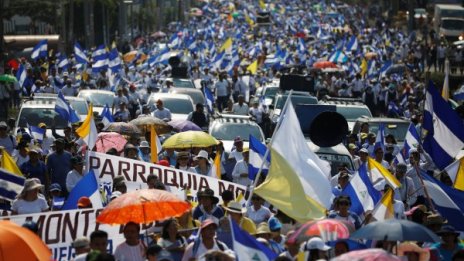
column 71, row 26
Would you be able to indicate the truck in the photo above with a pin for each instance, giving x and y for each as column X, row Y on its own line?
column 448, row 21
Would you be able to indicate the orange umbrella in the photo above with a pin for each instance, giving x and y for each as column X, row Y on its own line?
column 18, row 243
column 324, row 64
column 130, row 56
column 370, row 55
column 142, row 207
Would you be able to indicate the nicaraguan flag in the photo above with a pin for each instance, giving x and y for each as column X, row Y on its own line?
column 410, row 141
column 36, row 133
column 100, row 59
column 246, row 247
column 380, row 138
column 21, row 75
column 79, row 54
column 86, row 187
column 11, row 185
column 459, row 94
column 256, row 156
column 456, row 172
column 338, row 57
column 114, row 61
column 209, row 99
column 65, row 110
column 163, row 56
column 57, row 203
column 63, row 62
column 383, row 70
column 445, row 136
column 40, row 50
column 106, row 115
column 361, row 191
column 352, row 44
column 448, row 201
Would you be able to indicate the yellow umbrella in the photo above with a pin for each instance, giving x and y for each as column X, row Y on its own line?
column 190, row 139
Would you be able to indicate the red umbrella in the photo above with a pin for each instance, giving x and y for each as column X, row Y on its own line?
column 108, row 140
column 13, row 63
column 327, row 229
column 324, row 64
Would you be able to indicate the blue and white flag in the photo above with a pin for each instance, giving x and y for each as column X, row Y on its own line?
column 352, row 44
column 57, row 203
column 371, row 68
column 86, row 187
column 21, row 75
column 380, row 138
column 79, row 54
column 410, row 141
column 246, row 247
column 63, row 62
column 106, row 115
column 448, row 201
column 36, row 133
column 100, row 59
column 209, row 99
column 65, row 110
column 12, row 185
column 394, row 110
column 445, row 136
column 256, row 157
column 385, row 66
column 338, row 57
column 361, row 191
column 114, row 62
column 40, row 50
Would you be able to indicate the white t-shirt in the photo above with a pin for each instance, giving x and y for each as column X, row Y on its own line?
column 201, row 250
column 260, row 215
column 221, row 88
column 240, row 167
column 72, row 178
column 240, row 110
column 22, row 206
column 124, row 252
column 165, row 113
column 257, row 113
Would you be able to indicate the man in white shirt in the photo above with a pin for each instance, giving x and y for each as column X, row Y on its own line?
column 207, row 243
column 76, row 174
column 257, row 212
column 68, row 89
column 161, row 112
column 133, row 248
column 240, row 108
column 240, row 172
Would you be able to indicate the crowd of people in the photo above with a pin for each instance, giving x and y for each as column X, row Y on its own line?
column 54, row 166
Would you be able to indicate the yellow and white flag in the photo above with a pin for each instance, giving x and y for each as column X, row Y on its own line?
column 378, row 172
column 155, row 145
column 88, row 131
column 227, row 46
column 7, row 162
column 456, row 172
column 384, row 208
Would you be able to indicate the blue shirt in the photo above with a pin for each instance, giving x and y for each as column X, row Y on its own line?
column 37, row 170
column 446, row 254
column 58, row 166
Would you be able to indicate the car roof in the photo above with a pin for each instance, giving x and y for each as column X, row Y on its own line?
column 231, row 119
column 381, row 119
column 46, row 101
column 96, row 91
column 160, row 95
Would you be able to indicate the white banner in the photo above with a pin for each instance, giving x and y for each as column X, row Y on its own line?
column 58, row 229
column 135, row 172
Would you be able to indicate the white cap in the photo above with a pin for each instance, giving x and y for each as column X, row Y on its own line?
column 364, row 150
column 317, row 243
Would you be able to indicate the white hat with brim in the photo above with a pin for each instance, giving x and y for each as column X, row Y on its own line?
column 317, row 243
column 32, row 184
column 235, row 207
column 202, row 154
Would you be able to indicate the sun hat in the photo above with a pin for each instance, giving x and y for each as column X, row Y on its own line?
column 235, row 207
column 144, row 144
column 202, row 154
column 81, row 242
column 42, row 124
column 183, row 154
column 208, row 193
column 32, row 184
column 263, row 228
column 316, row 243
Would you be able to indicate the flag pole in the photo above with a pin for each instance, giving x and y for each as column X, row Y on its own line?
column 426, row 192
column 268, row 150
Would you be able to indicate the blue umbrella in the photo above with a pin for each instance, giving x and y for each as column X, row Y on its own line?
column 184, row 125
column 396, row 230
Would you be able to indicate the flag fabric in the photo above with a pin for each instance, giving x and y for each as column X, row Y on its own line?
column 79, row 54
column 253, row 67
column 380, row 138
column 383, row 70
column 379, row 173
column 384, row 208
column 57, row 203
column 246, row 247
column 362, row 193
column 40, row 50
column 36, row 133
column 21, row 75
column 352, row 44
column 63, row 62
column 262, row 5
column 88, row 131
column 209, row 99
column 256, row 156
column 155, row 144
column 12, row 184
column 227, row 46
column 448, row 201
column 100, row 59
column 410, row 141
column 290, row 141
column 456, row 172
column 445, row 90
column 86, row 187
column 294, row 202
column 363, row 67
column 444, row 136
column 106, row 115
column 65, row 110
column 216, row 169
column 9, row 164
column 338, row 57
column 114, row 62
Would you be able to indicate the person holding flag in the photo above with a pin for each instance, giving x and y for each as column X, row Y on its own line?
column 205, row 242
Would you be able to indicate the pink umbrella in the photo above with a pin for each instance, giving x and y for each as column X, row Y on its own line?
column 372, row 254
column 108, row 140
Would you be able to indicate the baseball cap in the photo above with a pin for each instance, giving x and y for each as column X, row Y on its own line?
column 55, row 187
column 84, row 202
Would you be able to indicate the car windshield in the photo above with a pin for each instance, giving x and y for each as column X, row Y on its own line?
column 397, row 129
column 228, row 131
column 337, row 161
column 452, row 13
column 451, row 24
column 34, row 116
column 80, row 107
column 180, row 106
column 280, row 102
column 98, row 99
column 352, row 113
column 182, row 83
column 271, row 91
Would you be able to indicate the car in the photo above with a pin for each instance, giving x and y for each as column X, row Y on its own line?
column 42, row 109
column 227, row 127
column 351, row 109
column 338, row 156
column 397, row 127
column 268, row 93
column 420, row 13
column 180, row 105
column 281, row 98
column 196, row 95
column 98, row 98
column 181, row 82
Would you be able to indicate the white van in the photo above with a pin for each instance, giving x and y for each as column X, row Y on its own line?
column 448, row 21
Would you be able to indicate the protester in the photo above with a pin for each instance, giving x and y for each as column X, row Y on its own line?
column 133, row 248
column 236, row 213
column 207, row 242
column 257, row 212
column 30, row 200
column 81, row 247
column 171, row 240
column 207, row 206
column 76, row 174
column 59, row 164
column 204, row 165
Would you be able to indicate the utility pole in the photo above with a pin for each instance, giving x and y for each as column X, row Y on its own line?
column 71, row 25
column 91, row 24
column 62, row 44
